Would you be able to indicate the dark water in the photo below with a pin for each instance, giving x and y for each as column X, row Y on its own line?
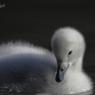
column 35, row 22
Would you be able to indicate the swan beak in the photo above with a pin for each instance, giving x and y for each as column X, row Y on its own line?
column 60, row 72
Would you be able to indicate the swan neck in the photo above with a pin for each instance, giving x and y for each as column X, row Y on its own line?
column 78, row 64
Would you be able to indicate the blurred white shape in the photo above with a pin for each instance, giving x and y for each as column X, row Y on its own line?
column 2, row 5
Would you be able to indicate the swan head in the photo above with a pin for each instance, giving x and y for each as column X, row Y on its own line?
column 68, row 45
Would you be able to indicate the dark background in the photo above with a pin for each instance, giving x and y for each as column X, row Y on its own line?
column 35, row 21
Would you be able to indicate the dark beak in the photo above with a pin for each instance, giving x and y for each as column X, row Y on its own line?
column 60, row 73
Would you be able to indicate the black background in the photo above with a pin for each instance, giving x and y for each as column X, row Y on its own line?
column 35, row 21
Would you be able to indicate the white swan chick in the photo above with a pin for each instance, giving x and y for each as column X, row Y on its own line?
column 68, row 45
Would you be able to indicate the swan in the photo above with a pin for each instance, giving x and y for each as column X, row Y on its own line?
column 25, row 67
column 68, row 45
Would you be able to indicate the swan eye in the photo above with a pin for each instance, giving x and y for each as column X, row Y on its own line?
column 70, row 52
